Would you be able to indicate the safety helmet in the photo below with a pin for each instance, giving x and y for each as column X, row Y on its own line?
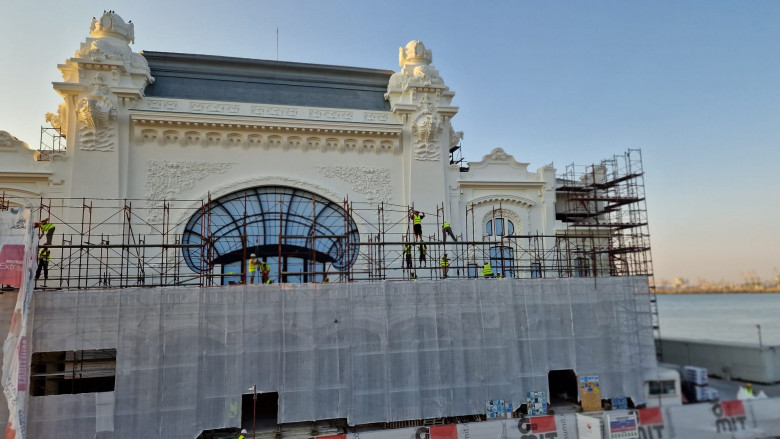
column 252, row 255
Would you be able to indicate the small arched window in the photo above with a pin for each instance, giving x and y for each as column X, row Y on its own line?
column 500, row 229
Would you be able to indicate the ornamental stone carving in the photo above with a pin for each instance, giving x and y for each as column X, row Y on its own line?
column 7, row 141
column 95, row 114
column 110, row 41
column 59, row 120
column 166, row 179
column 426, row 128
column 498, row 154
column 374, row 183
column 417, row 70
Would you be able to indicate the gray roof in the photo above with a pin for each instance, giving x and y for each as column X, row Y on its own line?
column 220, row 78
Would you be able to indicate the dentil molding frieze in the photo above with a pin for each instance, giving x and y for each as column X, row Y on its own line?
column 230, row 135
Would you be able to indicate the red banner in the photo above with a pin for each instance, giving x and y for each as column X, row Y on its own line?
column 11, row 261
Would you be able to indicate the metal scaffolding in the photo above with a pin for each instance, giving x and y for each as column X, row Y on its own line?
column 103, row 243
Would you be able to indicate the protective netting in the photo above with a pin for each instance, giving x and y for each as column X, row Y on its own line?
column 367, row 352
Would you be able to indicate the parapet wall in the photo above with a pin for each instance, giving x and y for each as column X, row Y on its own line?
column 367, row 352
column 742, row 361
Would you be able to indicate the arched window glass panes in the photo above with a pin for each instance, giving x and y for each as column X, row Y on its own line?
column 299, row 234
column 499, row 223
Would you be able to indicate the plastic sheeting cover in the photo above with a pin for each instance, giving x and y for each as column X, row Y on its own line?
column 368, row 352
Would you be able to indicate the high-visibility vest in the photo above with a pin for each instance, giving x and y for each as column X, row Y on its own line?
column 43, row 254
column 487, row 270
column 417, row 219
column 407, row 249
column 445, row 225
column 423, row 249
column 46, row 227
column 252, row 265
column 445, row 262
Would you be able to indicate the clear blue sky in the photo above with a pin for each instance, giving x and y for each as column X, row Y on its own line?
column 694, row 84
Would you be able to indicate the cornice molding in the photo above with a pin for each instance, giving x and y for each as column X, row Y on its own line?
column 247, row 132
column 496, row 199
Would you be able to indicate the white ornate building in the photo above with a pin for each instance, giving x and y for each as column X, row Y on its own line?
column 297, row 162
column 171, row 126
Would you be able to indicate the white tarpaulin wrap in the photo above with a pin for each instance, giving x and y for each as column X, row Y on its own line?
column 17, row 238
column 367, row 352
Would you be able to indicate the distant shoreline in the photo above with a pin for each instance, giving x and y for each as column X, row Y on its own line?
column 715, row 291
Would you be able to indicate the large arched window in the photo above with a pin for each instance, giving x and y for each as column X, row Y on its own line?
column 293, row 230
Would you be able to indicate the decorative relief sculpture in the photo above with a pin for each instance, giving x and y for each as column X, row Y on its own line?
column 498, row 154
column 455, row 136
column 59, row 120
column 426, row 128
column 7, row 141
column 112, row 37
column 416, row 70
column 373, row 182
column 204, row 107
column 330, row 114
column 166, row 179
column 95, row 114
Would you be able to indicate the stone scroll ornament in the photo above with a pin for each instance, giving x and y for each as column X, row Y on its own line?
column 95, row 114
column 427, row 128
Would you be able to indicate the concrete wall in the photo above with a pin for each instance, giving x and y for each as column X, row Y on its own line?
column 729, row 360
column 7, row 305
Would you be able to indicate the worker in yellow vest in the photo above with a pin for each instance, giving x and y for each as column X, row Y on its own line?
column 43, row 264
column 265, row 271
column 447, row 230
column 487, row 270
column 243, row 434
column 45, row 227
column 423, row 249
column 408, row 255
column 252, row 268
column 445, row 265
column 416, row 217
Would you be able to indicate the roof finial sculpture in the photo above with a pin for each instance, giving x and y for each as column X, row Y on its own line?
column 111, row 24
column 414, row 54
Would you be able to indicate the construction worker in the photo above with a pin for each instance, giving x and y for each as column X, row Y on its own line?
column 487, row 270
column 326, row 279
column 749, row 389
column 243, row 434
column 265, row 272
column 447, row 230
column 408, row 255
column 252, row 268
column 413, row 276
column 445, row 265
column 416, row 218
column 43, row 264
column 45, row 227
column 423, row 249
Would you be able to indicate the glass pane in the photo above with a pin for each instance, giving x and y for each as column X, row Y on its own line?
column 499, row 226
column 510, row 229
column 489, row 228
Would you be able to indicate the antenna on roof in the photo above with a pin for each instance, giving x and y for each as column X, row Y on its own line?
column 277, row 44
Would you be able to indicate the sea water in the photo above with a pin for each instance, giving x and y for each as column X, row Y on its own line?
column 721, row 317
